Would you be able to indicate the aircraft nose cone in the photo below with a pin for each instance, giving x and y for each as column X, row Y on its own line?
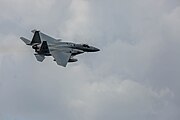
column 96, row 49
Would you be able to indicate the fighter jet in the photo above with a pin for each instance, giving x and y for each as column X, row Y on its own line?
column 62, row 52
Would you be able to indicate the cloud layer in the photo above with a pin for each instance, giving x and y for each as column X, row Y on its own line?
column 135, row 76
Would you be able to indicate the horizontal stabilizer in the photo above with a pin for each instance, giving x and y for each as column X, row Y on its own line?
column 26, row 41
column 39, row 58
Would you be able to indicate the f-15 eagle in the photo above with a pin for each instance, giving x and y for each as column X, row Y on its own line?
column 63, row 52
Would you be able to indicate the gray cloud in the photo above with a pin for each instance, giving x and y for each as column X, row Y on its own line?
column 134, row 76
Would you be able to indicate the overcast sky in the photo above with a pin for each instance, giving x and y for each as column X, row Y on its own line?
column 135, row 76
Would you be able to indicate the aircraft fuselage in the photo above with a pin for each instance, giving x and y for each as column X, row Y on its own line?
column 76, row 48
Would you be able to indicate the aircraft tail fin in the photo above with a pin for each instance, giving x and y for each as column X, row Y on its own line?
column 33, row 31
column 44, row 48
column 39, row 58
column 36, row 38
column 26, row 41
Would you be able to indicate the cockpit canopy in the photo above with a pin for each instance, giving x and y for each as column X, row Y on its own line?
column 85, row 45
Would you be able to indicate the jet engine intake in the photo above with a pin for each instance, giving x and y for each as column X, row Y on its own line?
column 73, row 60
column 76, row 52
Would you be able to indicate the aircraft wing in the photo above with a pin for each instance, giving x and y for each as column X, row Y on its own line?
column 47, row 38
column 61, row 57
